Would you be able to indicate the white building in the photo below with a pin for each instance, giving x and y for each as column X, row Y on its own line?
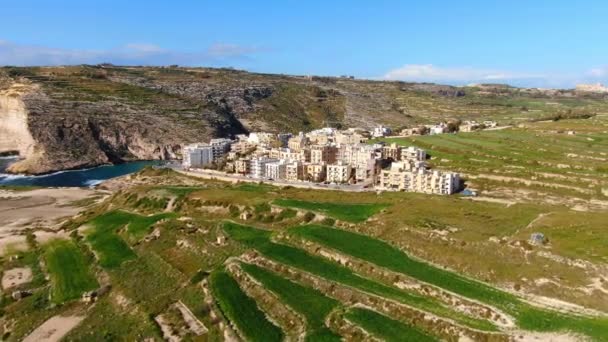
column 258, row 166
column 381, row 131
column 197, row 156
column 276, row 170
column 338, row 173
column 438, row 129
column 413, row 153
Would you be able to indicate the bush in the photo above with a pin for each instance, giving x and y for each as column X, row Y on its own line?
column 328, row 221
column 309, row 216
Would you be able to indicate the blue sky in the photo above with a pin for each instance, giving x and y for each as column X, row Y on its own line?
column 522, row 42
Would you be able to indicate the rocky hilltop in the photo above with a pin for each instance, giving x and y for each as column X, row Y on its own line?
column 59, row 118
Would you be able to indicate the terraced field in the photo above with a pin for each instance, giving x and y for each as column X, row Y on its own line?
column 393, row 266
column 551, row 162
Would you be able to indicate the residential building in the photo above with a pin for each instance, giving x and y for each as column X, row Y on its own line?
column 242, row 166
column 438, row 129
column 418, row 180
column 298, row 142
column 276, row 170
column 392, row 152
column 323, row 154
column 314, row 172
column 347, row 138
column 381, row 131
column 294, row 171
column 220, row 147
column 412, row 153
column 197, row 156
column 242, row 147
column 338, row 173
column 258, row 166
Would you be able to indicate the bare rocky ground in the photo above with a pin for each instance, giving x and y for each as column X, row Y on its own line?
column 40, row 211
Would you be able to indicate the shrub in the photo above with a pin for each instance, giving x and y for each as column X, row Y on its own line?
column 309, row 216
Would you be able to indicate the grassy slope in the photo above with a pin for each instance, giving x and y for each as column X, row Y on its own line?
column 242, row 310
column 260, row 240
column 312, row 304
column 385, row 328
column 351, row 212
column 69, row 271
column 385, row 255
column 111, row 249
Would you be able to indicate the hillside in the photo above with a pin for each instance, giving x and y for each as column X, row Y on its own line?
column 70, row 117
column 159, row 255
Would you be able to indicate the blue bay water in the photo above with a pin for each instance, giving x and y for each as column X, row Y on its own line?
column 80, row 178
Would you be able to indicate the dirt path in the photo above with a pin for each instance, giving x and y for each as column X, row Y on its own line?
column 54, row 329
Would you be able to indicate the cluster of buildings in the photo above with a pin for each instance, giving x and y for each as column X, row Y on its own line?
column 448, row 127
column 326, row 155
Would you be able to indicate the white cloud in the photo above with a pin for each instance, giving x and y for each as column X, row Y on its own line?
column 130, row 54
column 467, row 75
column 460, row 75
column 598, row 72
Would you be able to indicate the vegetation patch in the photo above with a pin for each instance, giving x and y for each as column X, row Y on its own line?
column 295, row 257
column 382, row 254
column 111, row 249
column 242, row 310
column 309, row 302
column 351, row 212
column 386, row 328
column 69, row 271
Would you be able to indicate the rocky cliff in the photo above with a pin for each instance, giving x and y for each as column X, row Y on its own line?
column 79, row 116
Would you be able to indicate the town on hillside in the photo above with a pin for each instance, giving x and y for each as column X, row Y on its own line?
column 330, row 156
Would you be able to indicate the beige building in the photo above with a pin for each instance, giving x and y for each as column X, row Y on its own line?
column 338, row 173
column 242, row 147
column 413, row 153
column 392, row 151
column 298, row 142
column 418, row 180
column 242, row 166
column 348, row 137
column 323, row 154
column 294, row 171
column 314, row 172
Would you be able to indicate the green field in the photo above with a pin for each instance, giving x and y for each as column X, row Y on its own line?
column 385, row 255
column 242, row 310
column 351, row 212
column 69, row 271
column 260, row 240
column 386, row 328
column 109, row 246
column 310, row 303
column 540, row 157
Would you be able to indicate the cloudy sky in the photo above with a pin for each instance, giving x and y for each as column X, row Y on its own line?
column 537, row 43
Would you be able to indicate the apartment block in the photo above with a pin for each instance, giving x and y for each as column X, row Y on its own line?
column 418, row 180
column 258, row 166
column 338, row 173
column 323, row 154
column 412, row 153
column 294, row 171
column 242, row 166
column 392, row 152
column 314, row 172
column 197, row 156
column 276, row 170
